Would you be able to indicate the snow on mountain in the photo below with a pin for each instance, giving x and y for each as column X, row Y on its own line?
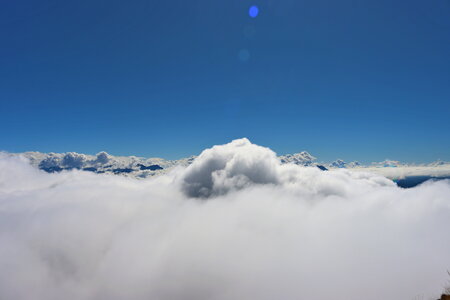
column 140, row 167
column 303, row 158
column 354, row 164
column 100, row 163
column 438, row 163
column 127, row 165
column 339, row 163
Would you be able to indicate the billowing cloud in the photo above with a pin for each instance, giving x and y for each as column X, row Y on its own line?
column 74, row 160
column 52, row 160
column 235, row 224
column 236, row 165
column 102, row 158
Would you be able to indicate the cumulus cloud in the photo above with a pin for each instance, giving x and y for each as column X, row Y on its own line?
column 235, row 224
column 236, row 165
column 52, row 160
column 74, row 160
column 103, row 158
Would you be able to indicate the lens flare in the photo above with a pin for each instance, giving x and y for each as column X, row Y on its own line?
column 244, row 55
column 253, row 11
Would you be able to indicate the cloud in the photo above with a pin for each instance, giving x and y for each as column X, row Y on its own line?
column 74, row 160
column 68, row 160
column 235, row 224
column 103, row 158
column 236, row 165
column 407, row 171
column 52, row 160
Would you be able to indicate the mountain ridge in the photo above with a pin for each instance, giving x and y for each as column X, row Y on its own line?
column 142, row 167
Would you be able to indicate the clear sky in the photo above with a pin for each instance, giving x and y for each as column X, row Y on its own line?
column 357, row 80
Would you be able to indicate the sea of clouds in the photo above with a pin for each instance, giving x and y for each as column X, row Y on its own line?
column 235, row 224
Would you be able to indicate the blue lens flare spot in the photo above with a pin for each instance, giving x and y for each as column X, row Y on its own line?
column 253, row 11
column 244, row 55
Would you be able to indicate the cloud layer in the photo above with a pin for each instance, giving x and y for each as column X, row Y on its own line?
column 235, row 224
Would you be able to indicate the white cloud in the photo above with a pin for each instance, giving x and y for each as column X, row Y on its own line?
column 74, row 160
column 103, row 158
column 260, row 230
column 407, row 171
column 235, row 165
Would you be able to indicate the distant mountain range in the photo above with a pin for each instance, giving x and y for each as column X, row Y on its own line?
column 141, row 167
column 102, row 163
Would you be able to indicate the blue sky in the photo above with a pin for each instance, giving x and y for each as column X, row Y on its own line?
column 357, row 80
